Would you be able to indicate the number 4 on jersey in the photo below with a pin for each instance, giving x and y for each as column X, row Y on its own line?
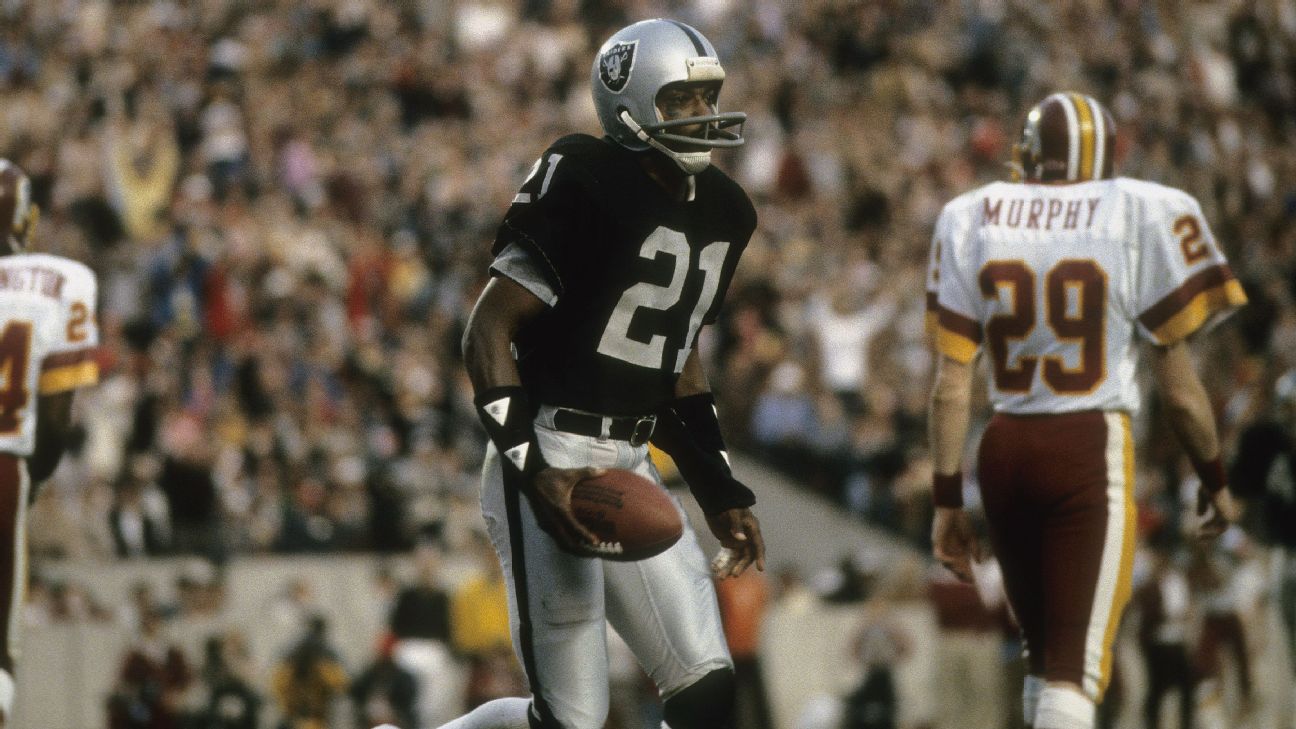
column 15, row 350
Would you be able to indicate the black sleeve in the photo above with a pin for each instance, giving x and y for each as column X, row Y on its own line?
column 688, row 432
column 549, row 217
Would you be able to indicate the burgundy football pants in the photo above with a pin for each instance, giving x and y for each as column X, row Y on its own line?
column 1058, row 495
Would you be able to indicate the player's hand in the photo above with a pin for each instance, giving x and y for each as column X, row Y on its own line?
column 741, row 542
column 954, row 543
column 1219, row 510
column 551, row 502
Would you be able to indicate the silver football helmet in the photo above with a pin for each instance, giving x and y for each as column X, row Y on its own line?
column 633, row 66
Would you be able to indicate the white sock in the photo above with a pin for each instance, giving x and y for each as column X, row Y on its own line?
column 1063, row 708
column 6, row 695
column 510, row 713
column 1031, row 691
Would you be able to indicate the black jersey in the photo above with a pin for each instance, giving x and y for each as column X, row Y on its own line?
column 629, row 274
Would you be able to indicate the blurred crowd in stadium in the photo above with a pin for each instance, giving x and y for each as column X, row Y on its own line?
column 290, row 207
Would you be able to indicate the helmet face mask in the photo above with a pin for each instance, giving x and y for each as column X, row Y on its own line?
column 715, row 129
column 1067, row 137
column 634, row 66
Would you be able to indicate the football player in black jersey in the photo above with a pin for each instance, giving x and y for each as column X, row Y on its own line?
column 582, row 349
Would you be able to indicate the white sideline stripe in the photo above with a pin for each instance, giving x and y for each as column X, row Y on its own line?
column 1100, row 136
column 1113, row 544
column 18, row 590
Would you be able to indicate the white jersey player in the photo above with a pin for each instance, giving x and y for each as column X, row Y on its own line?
column 1058, row 278
column 48, row 337
column 1061, row 282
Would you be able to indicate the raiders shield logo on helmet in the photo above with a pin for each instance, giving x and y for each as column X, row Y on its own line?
column 615, row 65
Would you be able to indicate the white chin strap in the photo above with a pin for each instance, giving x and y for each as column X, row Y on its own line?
column 691, row 162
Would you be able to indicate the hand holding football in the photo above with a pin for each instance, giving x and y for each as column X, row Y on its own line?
column 635, row 516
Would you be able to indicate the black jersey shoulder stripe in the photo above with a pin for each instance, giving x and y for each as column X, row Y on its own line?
column 692, row 35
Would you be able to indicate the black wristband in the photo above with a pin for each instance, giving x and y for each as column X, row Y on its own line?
column 506, row 412
column 698, row 412
column 688, row 431
column 947, row 490
column 1211, row 474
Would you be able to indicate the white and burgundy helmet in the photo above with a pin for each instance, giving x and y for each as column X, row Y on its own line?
column 1067, row 137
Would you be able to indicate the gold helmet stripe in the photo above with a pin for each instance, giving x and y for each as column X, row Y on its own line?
column 1086, row 124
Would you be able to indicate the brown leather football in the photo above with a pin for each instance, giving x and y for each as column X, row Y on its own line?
column 634, row 517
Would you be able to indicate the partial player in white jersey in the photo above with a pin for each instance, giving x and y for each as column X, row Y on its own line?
column 1059, row 277
column 47, row 340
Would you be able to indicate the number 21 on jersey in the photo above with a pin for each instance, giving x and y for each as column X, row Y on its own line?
column 616, row 341
column 1075, row 310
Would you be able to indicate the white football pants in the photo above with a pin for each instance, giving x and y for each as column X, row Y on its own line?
column 664, row 607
